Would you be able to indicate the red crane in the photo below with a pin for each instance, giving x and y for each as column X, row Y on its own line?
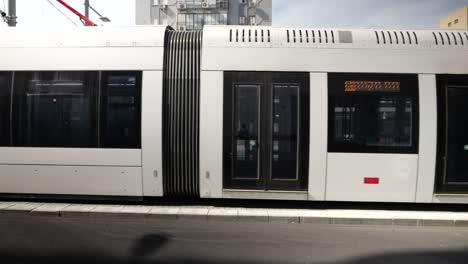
column 82, row 18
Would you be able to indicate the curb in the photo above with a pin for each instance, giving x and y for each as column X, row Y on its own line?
column 221, row 214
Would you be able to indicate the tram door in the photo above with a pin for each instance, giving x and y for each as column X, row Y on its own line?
column 453, row 145
column 266, row 130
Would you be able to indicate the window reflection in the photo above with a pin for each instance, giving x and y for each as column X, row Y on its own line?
column 55, row 109
column 5, row 90
column 379, row 116
column 121, row 110
column 457, row 131
column 285, row 132
column 245, row 164
column 373, row 121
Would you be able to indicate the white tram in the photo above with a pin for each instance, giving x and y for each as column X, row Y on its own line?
column 235, row 112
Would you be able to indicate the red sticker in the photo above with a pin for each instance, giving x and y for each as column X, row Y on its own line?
column 369, row 180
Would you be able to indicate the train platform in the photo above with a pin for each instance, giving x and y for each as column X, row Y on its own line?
column 239, row 214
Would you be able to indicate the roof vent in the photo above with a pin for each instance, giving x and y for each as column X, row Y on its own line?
column 312, row 36
column 396, row 38
column 250, row 35
column 450, row 38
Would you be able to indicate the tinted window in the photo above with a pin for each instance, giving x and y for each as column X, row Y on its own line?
column 55, row 109
column 245, row 157
column 452, row 134
column 5, row 97
column 373, row 113
column 121, row 110
column 285, row 131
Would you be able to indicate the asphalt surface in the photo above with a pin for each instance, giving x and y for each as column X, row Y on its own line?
column 38, row 239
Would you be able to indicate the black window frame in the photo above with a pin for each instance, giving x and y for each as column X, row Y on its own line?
column 103, row 141
column 266, row 80
column 409, row 87
column 17, row 121
column 20, row 122
column 445, row 81
column 7, row 90
column 231, row 79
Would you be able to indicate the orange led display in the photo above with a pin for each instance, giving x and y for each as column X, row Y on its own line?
column 372, row 86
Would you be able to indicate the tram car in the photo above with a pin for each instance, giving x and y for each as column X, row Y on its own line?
column 235, row 112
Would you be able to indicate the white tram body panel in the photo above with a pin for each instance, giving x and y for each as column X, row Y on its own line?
column 88, row 171
column 393, row 177
column 238, row 112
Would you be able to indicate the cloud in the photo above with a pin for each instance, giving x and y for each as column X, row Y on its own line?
column 363, row 13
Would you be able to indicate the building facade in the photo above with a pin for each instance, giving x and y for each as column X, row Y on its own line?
column 456, row 20
column 193, row 14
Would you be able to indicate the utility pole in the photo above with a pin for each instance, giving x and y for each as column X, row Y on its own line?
column 11, row 13
column 86, row 10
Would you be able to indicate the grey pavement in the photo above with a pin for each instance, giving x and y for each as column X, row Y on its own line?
column 43, row 239
column 230, row 214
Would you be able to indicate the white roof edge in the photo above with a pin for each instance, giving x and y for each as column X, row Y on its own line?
column 299, row 37
column 142, row 36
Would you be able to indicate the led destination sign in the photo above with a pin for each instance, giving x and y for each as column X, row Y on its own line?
column 372, row 86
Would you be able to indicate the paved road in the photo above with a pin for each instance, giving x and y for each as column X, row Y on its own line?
column 36, row 239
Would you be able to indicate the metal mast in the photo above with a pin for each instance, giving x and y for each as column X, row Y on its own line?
column 86, row 10
column 11, row 19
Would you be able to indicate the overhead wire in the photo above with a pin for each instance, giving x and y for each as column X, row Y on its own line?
column 61, row 13
column 3, row 14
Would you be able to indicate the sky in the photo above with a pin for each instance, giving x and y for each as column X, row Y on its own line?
column 40, row 13
column 364, row 13
column 422, row 14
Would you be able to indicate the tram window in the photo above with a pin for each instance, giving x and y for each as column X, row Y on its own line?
column 55, row 109
column 121, row 110
column 373, row 113
column 5, row 98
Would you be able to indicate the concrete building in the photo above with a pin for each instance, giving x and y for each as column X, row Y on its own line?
column 456, row 20
column 193, row 14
